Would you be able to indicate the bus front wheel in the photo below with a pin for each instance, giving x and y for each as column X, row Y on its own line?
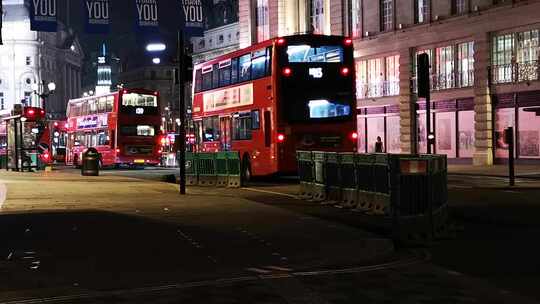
column 246, row 170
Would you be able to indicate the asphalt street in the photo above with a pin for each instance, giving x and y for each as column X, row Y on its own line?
column 126, row 237
column 496, row 226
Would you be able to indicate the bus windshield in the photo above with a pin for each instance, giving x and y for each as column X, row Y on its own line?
column 321, row 54
column 138, row 130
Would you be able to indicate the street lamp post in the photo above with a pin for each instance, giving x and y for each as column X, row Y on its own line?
column 160, row 47
column 51, row 87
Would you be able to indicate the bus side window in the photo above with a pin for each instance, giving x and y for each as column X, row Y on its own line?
column 215, row 76
column 244, row 65
column 267, row 129
column 198, row 80
column 207, row 80
column 255, row 120
column 269, row 61
column 234, row 70
column 110, row 104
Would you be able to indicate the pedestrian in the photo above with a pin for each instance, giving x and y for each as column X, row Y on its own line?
column 378, row 145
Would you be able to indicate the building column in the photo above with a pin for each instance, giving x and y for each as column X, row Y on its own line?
column 337, row 17
column 407, row 111
column 274, row 17
column 483, row 107
column 246, row 23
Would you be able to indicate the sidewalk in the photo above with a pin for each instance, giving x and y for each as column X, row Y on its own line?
column 524, row 171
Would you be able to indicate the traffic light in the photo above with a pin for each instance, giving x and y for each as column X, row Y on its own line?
column 188, row 70
column 423, row 75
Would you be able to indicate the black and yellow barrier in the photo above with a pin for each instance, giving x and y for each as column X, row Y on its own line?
column 411, row 189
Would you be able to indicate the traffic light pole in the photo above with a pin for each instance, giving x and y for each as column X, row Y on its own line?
column 182, row 101
column 429, row 137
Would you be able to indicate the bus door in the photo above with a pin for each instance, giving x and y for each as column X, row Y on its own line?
column 225, row 126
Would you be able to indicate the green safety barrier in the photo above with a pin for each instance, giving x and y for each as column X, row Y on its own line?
column 191, row 168
column 206, row 169
column 233, row 169
column 221, row 169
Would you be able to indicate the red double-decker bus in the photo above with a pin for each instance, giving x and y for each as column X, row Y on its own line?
column 123, row 126
column 276, row 97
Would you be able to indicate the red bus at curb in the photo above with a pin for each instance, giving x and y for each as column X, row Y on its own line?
column 276, row 97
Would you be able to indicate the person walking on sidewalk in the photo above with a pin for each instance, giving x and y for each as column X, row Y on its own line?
column 378, row 145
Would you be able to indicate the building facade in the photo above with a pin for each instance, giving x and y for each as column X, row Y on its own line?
column 28, row 58
column 484, row 57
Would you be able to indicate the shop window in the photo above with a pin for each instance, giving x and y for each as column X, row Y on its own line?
column 375, row 128
column 504, row 118
column 393, row 134
column 445, row 133
column 529, row 132
column 466, row 134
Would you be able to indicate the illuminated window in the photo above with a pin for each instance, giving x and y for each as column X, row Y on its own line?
column 356, row 18
column 444, row 58
column 421, row 11
column 465, row 64
column 317, row 16
column 459, row 7
column 387, row 15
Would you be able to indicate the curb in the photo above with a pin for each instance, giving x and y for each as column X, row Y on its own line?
column 494, row 175
column 3, row 194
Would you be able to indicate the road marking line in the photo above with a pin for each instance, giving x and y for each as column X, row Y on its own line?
column 278, row 268
column 258, row 270
column 270, row 192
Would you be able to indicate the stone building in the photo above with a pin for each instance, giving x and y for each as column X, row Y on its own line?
column 484, row 68
column 29, row 57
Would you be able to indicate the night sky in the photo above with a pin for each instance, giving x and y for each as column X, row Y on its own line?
column 124, row 43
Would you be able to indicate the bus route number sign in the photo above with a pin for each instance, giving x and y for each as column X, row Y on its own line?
column 139, row 111
column 316, row 72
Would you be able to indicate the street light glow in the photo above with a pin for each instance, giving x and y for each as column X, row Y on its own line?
column 156, row 60
column 156, row 47
column 51, row 86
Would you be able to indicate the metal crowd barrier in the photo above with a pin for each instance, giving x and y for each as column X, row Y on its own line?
column 221, row 169
column 412, row 189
